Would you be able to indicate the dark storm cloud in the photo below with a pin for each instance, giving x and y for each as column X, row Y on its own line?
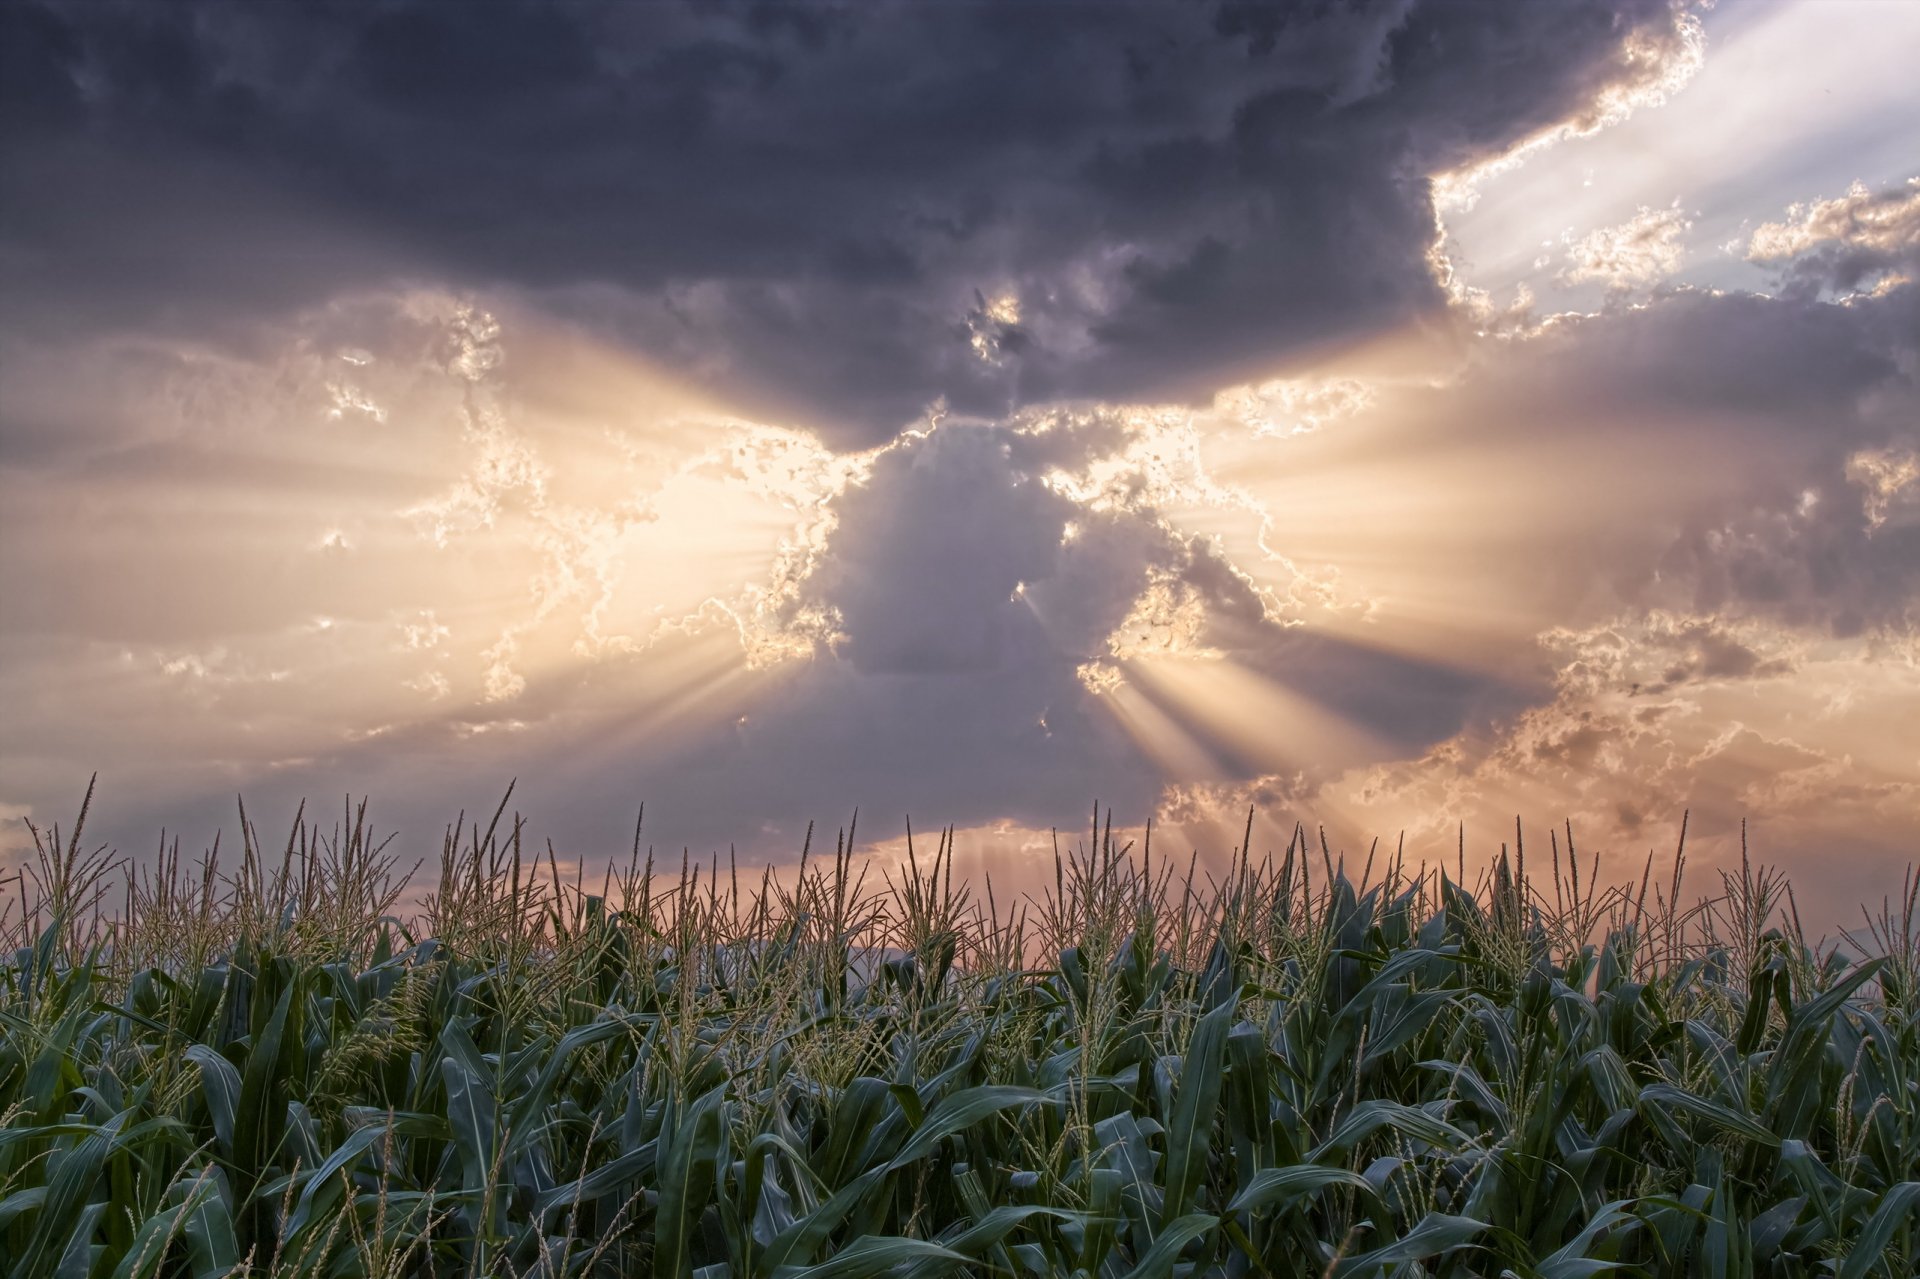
column 815, row 207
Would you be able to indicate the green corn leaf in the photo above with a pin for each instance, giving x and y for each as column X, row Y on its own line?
column 325, row 1176
column 1795, row 1074
column 256, row 1118
column 1173, row 1239
column 470, row 1107
column 1771, row 1227
column 1719, row 1115
column 65, row 1209
column 634, row 1164
column 220, row 1086
column 873, row 1255
column 532, row 1103
column 808, row 1235
column 1462, row 1078
column 1370, row 1117
column 157, row 1236
column 999, row 1223
column 1280, row 1185
column 858, row 1114
column 1101, row 1230
column 1571, row 1261
column 20, row 1203
column 1899, row 1207
column 211, row 1240
column 963, row 1110
column 1190, row 1130
column 151, row 1243
column 687, row 1168
column 1433, row 1235
column 77, row 1258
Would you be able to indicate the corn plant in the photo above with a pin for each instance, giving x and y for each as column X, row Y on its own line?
column 1277, row 1069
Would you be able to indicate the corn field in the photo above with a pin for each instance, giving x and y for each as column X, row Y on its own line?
column 262, row 1065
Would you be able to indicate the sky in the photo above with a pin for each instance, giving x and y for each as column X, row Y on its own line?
column 1398, row 417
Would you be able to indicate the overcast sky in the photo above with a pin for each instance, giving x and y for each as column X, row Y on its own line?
column 1390, row 415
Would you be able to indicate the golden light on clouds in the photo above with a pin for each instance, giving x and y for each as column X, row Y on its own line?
column 1408, row 421
column 1657, row 67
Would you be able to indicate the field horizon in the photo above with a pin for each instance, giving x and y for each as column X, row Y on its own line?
column 1471, row 858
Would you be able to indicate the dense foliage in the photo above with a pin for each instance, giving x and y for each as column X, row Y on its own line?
column 1144, row 1071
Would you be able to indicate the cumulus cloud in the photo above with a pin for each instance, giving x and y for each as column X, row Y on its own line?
column 1644, row 250
column 1847, row 242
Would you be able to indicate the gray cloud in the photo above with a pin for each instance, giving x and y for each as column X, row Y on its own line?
column 923, row 568
column 844, row 211
column 1706, row 452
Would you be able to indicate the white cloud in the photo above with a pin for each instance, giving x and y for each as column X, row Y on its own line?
column 1882, row 222
column 1642, row 251
column 1861, row 240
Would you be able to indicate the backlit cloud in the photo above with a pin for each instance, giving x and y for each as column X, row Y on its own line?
column 1639, row 252
column 964, row 410
column 1847, row 242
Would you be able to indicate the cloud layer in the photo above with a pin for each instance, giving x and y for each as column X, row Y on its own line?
column 838, row 213
column 960, row 410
